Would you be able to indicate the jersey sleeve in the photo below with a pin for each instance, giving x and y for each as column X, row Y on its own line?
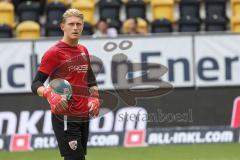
column 91, row 77
column 49, row 62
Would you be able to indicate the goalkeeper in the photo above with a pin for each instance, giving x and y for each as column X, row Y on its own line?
column 69, row 60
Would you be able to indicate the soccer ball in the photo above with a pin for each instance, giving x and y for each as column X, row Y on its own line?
column 61, row 87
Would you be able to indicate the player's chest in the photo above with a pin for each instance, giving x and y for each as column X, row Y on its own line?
column 74, row 62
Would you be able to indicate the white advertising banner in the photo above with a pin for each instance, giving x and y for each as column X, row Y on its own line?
column 15, row 67
column 217, row 60
column 174, row 53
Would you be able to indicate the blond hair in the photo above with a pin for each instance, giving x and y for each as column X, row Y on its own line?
column 72, row 13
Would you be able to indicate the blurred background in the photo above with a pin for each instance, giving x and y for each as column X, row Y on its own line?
column 168, row 71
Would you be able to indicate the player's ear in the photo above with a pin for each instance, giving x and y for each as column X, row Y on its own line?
column 62, row 26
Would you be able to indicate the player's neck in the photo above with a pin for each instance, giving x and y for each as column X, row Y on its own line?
column 70, row 42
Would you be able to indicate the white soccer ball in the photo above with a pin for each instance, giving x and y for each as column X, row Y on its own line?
column 61, row 87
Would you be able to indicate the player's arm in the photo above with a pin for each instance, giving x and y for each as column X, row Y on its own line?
column 93, row 101
column 37, row 84
column 57, row 103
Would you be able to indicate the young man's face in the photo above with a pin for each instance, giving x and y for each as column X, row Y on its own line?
column 72, row 27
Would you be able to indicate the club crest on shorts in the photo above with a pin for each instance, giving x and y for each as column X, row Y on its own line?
column 73, row 144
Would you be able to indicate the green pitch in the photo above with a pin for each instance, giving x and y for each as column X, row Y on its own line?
column 167, row 152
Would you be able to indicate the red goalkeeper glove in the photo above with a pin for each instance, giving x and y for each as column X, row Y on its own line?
column 93, row 104
column 57, row 103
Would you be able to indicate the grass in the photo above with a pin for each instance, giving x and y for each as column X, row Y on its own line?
column 167, row 152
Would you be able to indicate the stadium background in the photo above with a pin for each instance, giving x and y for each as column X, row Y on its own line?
column 200, row 52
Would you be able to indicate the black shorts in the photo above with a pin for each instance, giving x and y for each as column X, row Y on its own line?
column 72, row 135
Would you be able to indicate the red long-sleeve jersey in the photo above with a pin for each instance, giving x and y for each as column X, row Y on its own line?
column 72, row 64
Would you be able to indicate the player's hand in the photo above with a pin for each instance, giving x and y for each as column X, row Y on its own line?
column 57, row 102
column 94, row 105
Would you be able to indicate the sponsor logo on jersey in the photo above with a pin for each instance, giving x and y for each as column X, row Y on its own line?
column 78, row 68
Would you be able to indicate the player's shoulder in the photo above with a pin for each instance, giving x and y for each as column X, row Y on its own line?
column 83, row 48
column 53, row 50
